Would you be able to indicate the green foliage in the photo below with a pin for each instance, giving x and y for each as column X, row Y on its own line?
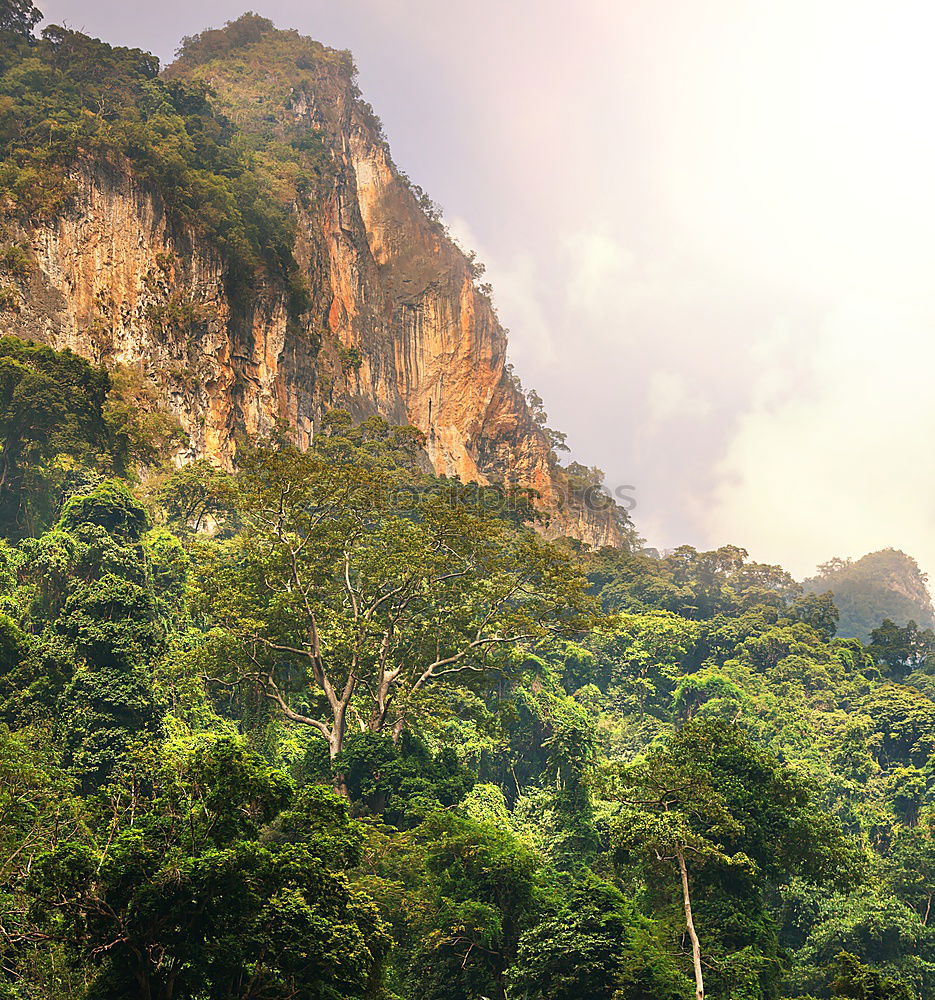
column 541, row 792
column 481, row 884
column 713, row 809
column 69, row 100
column 37, row 810
column 351, row 359
column 52, row 429
column 911, row 873
column 547, row 801
column 197, row 496
column 596, row 946
column 881, row 930
column 639, row 657
column 63, row 424
column 695, row 585
column 109, row 506
column 188, row 898
column 220, row 42
column 142, row 432
column 402, row 782
column 902, row 650
column 905, row 720
column 264, row 81
column 103, row 711
column 18, row 17
column 885, row 584
column 854, row 980
column 343, row 543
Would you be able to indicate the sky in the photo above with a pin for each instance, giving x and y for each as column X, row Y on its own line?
column 710, row 229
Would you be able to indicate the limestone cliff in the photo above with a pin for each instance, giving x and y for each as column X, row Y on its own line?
column 393, row 323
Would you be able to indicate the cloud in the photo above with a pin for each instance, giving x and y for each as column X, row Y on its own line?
column 599, row 266
column 518, row 294
column 709, row 226
column 844, row 468
column 670, row 398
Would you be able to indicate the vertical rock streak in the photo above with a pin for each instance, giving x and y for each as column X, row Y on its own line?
column 396, row 325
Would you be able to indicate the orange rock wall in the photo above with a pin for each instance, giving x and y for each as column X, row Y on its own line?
column 118, row 281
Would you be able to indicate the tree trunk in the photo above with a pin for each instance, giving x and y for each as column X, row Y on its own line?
column 335, row 746
column 142, row 979
column 339, row 783
column 690, row 925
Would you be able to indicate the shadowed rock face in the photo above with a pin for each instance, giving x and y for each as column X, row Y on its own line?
column 396, row 325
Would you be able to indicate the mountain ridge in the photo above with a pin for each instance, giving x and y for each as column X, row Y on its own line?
column 381, row 312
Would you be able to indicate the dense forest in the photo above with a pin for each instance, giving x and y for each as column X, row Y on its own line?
column 331, row 727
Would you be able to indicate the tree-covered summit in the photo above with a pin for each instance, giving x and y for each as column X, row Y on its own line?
column 880, row 585
column 70, row 102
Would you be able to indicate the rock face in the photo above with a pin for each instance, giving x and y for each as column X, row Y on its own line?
column 118, row 283
column 396, row 324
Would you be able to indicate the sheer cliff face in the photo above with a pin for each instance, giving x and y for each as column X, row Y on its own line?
column 396, row 325
column 117, row 282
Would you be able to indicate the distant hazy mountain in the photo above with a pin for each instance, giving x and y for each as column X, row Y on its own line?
column 885, row 584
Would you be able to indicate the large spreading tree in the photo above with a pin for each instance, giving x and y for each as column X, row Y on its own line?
column 358, row 585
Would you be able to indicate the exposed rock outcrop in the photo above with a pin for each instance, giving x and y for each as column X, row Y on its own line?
column 396, row 324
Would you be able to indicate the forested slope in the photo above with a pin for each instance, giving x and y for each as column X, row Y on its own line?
column 236, row 230
column 333, row 727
